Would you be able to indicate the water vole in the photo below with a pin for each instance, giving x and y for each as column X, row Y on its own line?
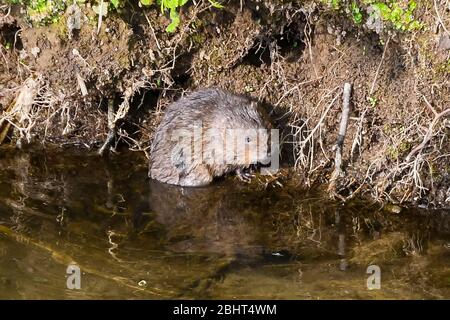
column 207, row 134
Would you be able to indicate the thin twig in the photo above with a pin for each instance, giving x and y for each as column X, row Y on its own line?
column 439, row 18
column 153, row 31
column 358, row 140
column 295, row 88
column 429, row 133
column 379, row 67
column 321, row 118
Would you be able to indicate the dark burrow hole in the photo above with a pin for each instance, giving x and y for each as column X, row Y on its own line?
column 9, row 36
column 281, row 121
column 146, row 100
column 181, row 72
column 289, row 43
column 140, row 106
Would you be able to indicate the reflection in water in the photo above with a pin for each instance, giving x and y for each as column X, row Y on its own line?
column 135, row 238
column 214, row 219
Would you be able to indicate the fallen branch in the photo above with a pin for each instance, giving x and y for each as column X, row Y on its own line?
column 5, row 125
column 341, row 137
column 100, row 15
column 111, row 127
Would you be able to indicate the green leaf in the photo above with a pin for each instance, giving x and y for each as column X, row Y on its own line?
column 216, row 4
column 175, row 17
column 173, row 25
column 115, row 3
column 171, row 4
column 356, row 13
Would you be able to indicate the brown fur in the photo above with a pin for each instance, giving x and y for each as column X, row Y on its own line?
column 211, row 109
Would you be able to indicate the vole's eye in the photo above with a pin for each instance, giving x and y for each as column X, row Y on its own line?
column 247, row 139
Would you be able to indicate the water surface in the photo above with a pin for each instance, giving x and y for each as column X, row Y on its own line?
column 133, row 238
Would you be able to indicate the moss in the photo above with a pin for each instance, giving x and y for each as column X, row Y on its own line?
column 444, row 67
column 373, row 101
column 392, row 153
column 198, row 38
column 335, row 4
column 395, row 152
column 435, row 172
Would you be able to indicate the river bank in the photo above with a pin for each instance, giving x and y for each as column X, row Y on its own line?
column 62, row 69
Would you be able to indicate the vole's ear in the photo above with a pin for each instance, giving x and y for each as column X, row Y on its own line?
column 254, row 104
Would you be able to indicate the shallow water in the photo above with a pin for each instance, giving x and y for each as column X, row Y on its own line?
column 135, row 238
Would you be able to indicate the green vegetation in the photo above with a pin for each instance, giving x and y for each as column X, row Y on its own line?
column 335, row 4
column 399, row 14
column 116, row 4
column 356, row 13
column 396, row 14
column 42, row 11
column 49, row 11
column 173, row 7
column 373, row 101
column 444, row 67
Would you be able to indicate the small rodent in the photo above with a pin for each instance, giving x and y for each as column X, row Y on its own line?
column 192, row 145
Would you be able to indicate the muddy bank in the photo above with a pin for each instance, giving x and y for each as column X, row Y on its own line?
column 57, row 82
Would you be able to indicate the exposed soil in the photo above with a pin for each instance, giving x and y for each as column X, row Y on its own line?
column 294, row 58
